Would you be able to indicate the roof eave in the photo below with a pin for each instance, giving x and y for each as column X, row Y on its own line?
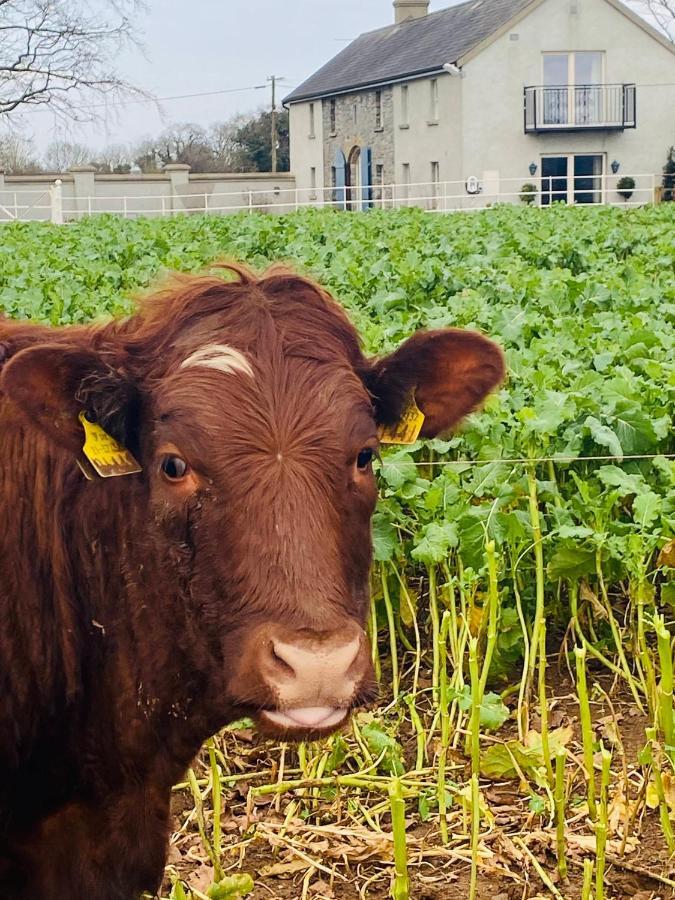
column 364, row 86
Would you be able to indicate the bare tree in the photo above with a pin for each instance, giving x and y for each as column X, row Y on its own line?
column 17, row 155
column 661, row 12
column 181, row 143
column 57, row 52
column 63, row 155
column 115, row 159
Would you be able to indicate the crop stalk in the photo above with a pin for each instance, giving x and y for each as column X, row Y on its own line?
column 435, row 629
column 535, row 521
column 400, row 889
column 476, row 701
column 602, row 827
column 559, row 802
column 543, row 707
column 372, row 628
column 493, row 613
column 665, row 686
column 664, row 814
column 445, row 726
column 393, row 647
column 586, row 727
column 217, row 803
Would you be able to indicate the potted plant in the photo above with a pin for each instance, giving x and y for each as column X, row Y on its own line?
column 625, row 187
column 528, row 193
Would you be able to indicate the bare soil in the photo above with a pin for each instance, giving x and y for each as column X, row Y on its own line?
column 334, row 853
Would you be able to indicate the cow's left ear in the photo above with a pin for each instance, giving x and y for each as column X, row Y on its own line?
column 51, row 384
column 448, row 372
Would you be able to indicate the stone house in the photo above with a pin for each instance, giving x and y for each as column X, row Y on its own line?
column 468, row 104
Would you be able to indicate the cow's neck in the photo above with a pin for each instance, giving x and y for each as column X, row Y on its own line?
column 91, row 609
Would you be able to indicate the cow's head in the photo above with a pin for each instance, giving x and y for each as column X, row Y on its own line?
column 255, row 417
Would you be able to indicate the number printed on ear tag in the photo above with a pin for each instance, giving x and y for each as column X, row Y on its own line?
column 408, row 427
column 107, row 456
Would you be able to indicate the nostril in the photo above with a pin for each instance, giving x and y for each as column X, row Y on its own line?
column 280, row 662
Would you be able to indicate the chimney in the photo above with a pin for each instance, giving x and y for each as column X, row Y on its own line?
column 410, row 9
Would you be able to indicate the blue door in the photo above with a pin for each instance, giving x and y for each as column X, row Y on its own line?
column 366, row 178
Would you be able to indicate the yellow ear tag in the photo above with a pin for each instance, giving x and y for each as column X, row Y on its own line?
column 408, row 427
column 108, row 457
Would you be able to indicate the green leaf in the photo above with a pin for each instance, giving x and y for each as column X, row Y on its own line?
column 379, row 742
column 604, row 436
column 646, row 509
column 493, row 711
column 385, row 538
column 571, row 562
column 232, row 887
column 435, row 542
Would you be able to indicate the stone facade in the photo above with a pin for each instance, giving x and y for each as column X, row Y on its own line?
column 356, row 129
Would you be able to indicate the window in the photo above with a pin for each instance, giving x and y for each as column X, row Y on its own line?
column 573, row 93
column 312, row 179
column 312, row 132
column 404, row 106
column 405, row 179
column 379, row 182
column 435, row 179
column 378, row 109
column 433, row 101
column 332, row 117
column 333, row 183
column 573, row 178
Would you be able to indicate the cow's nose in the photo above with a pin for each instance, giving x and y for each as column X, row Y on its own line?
column 314, row 675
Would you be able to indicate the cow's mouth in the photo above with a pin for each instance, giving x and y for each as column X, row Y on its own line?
column 308, row 718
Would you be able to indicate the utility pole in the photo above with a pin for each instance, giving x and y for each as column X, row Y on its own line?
column 274, row 139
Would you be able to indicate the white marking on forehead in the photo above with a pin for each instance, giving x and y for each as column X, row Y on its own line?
column 220, row 357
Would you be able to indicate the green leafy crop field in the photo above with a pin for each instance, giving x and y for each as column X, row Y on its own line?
column 524, row 582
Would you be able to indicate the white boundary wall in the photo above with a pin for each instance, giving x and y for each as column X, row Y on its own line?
column 82, row 193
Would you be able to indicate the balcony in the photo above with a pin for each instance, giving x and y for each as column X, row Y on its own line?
column 579, row 107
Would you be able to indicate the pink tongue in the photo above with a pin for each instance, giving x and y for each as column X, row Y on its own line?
column 311, row 715
column 307, row 717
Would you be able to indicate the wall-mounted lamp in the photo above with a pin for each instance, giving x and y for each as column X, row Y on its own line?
column 616, row 165
column 533, row 169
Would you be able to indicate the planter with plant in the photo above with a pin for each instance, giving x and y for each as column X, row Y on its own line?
column 625, row 187
column 528, row 193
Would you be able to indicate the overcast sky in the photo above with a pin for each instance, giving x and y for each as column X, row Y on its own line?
column 220, row 45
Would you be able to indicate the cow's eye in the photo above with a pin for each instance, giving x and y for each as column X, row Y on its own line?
column 364, row 459
column 174, row 467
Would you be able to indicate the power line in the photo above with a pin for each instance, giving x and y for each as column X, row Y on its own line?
column 527, row 461
column 136, row 100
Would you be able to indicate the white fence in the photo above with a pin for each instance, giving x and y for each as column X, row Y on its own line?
column 56, row 203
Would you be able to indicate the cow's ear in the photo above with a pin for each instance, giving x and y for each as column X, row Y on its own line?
column 52, row 384
column 447, row 372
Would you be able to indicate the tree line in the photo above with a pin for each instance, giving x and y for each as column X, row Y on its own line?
column 241, row 144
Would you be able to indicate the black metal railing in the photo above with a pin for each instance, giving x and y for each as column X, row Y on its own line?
column 577, row 107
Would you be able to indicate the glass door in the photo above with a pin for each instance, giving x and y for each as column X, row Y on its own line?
column 554, row 180
column 555, row 93
column 588, row 178
column 588, row 105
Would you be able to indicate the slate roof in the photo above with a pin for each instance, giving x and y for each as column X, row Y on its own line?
column 410, row 48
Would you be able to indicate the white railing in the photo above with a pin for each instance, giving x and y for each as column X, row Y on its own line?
column 54, row 204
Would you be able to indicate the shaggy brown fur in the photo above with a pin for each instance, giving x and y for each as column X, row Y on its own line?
column 132, row 609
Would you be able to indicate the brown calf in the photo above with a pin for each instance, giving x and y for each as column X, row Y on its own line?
column 229, row 576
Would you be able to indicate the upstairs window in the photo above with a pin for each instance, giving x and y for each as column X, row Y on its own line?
column 332, row 117
column 312, row 132
column 433, row 100
column 378, row 109
column 404, row 104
